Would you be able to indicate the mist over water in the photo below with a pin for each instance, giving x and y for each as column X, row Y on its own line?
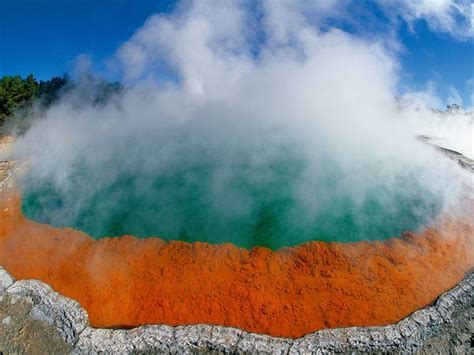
column 296, row 137
column 209, row 200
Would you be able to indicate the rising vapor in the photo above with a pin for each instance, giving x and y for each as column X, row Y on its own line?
column 251, row 125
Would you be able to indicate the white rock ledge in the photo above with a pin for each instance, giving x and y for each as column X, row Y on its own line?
column 71, row 322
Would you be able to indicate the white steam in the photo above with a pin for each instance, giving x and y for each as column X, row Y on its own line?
column 244, row 91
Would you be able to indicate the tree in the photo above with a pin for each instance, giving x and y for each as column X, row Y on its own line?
column 18, row 95
column 15, row 93
column 49, row 91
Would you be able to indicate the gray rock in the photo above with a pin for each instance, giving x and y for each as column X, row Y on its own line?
column 51, row 308
column 262, row 344
column 20, row 334
column 471, row 326
column 143, row 339
column 6, row 280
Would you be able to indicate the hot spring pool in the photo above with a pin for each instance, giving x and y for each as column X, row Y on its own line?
column 274, row 205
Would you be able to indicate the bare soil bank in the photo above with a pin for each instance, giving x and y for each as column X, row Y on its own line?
column 127, row 281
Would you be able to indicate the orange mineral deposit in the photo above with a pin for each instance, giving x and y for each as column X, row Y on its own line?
column 125, row 281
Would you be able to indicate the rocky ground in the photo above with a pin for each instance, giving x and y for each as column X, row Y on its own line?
column 458, row 338
column 20, row 332
column 5, row 163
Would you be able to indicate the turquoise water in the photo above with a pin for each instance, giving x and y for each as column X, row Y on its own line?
column 273, row 204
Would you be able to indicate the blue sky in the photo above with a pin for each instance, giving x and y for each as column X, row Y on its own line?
column 44, row 37
column 437, row 57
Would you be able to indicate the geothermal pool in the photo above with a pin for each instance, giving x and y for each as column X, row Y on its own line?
column 126, row 282
column 289, row 291
column 247, row 208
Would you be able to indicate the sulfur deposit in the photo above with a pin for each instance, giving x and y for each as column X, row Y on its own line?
column 125, row 282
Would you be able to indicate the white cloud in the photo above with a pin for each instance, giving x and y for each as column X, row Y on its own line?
column 453, row 17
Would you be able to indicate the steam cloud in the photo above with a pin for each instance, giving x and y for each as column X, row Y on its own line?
column 264, row 125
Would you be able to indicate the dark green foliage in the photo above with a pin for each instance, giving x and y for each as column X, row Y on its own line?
column 18, row 96
column 15, row 93
column 49, row 90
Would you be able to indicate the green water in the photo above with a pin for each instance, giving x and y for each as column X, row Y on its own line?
column 274, row 204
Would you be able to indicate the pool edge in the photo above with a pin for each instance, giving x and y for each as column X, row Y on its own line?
column 71, row 322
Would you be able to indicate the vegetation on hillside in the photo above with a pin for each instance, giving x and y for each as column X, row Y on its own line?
column 19, row 96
